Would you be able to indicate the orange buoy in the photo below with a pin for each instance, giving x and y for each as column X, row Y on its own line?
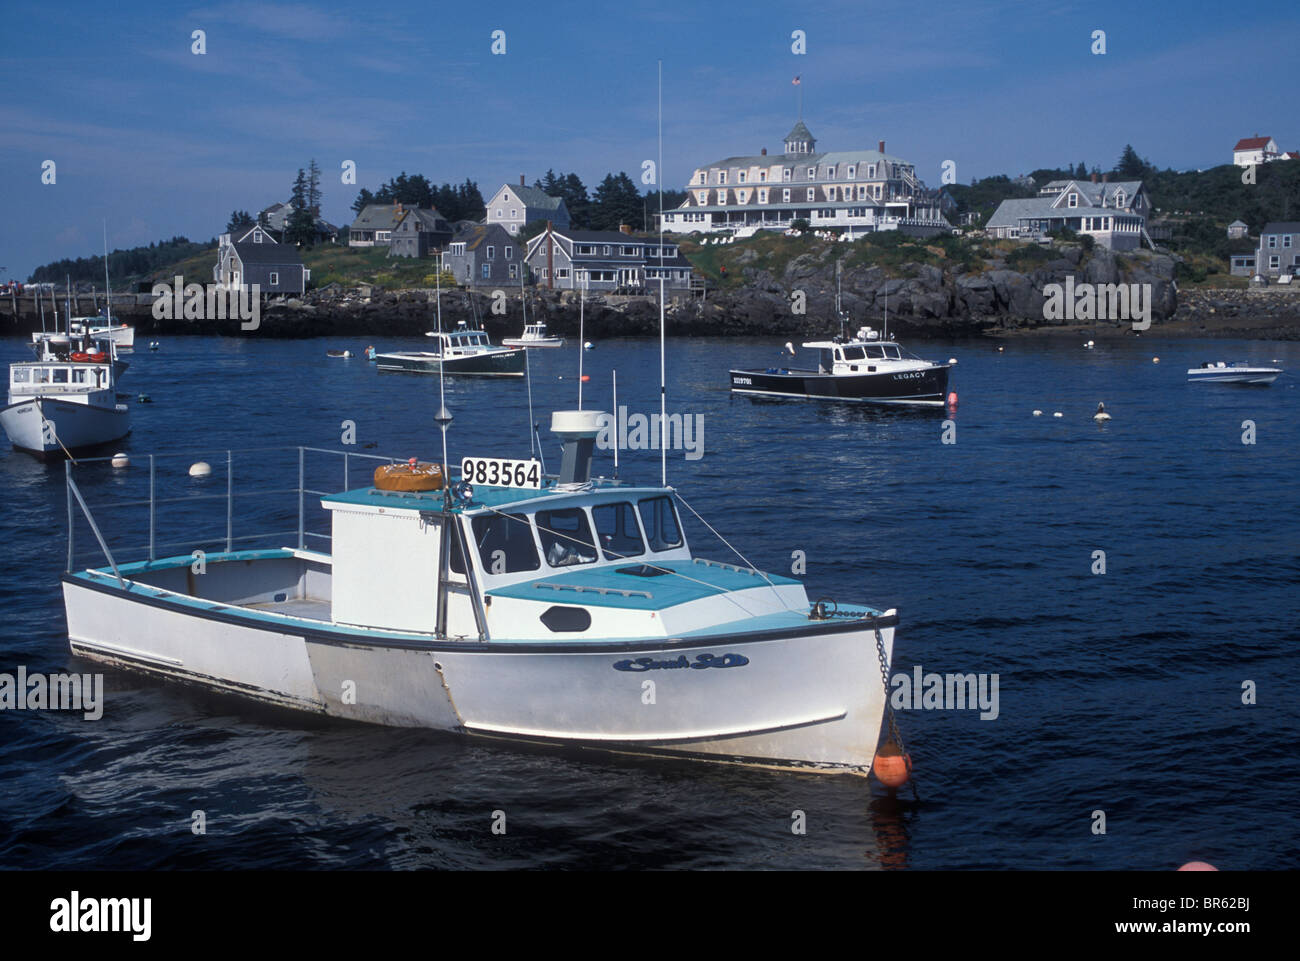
column 586, row 377
column 1198, row 866
column 891, row 766
column 952, row 398
column 412, row 476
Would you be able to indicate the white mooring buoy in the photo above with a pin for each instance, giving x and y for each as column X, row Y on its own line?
column 201, row 469
column 121, row 460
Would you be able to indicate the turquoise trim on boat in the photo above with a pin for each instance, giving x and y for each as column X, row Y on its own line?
column 498, row 498
column 777, row 621
column 610, row 587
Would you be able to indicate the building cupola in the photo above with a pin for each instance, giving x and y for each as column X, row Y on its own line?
column 800, row 140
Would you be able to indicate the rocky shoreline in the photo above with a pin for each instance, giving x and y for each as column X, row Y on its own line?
column 928, row 301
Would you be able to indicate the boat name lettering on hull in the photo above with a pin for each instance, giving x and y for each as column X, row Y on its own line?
column 701, row 661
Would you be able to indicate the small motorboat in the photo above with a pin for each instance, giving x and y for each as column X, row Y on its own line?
column 338, row 353
column 462, row 351
column 1219, row 372
column 534, row 335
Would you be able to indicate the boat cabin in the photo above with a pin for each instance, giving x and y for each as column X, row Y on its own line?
column 464, row 341
column 861, row 354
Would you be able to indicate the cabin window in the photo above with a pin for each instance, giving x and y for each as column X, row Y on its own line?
column 60, row 375
column 566, row 537
column 21, row 375
column 275, row 278
column 891, row 353
column 618, row 532
column 505, row 543
column 874, row 352
column 79, row 375
column 855, row 353
column 660, row 522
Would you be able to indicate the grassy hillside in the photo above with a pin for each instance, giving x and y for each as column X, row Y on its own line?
column 329, row 263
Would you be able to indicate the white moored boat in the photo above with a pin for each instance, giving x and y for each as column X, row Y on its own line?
column 534, row 335
column 565, row 610
column 1239, row 373
column 65, row 401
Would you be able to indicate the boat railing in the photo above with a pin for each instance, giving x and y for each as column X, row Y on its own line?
column 258, row 514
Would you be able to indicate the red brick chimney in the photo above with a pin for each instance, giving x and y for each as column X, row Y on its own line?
column 521, row 181
column 882, row 146
column 1094, row 176
column 763, row 152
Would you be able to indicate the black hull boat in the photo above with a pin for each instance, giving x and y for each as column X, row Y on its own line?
column 927, row 386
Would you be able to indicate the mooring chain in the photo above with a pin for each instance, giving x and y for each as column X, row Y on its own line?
column 889, row 708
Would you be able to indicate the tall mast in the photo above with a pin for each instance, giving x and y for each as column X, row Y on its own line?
column 582, row 343
column 663, row 393
column 108, row 291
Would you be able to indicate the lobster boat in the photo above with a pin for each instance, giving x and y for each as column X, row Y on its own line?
column 507, row 603
column 862, row 369
column 65, row 401
column 461, row 351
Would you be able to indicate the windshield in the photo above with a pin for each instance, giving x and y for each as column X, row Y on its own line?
column 505, row 543
column 618, row 532
column 660, row 522
column 566, row 537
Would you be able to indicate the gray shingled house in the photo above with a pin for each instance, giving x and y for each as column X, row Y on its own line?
column 418, row 233
column 484, row 255
column 1279, row 249
column 514, row 208
column 255, row 258
column 606, row 260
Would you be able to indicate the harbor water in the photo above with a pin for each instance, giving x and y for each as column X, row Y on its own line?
column 1154, row 682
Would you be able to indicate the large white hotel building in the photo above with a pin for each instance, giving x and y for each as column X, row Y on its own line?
column 850, row 190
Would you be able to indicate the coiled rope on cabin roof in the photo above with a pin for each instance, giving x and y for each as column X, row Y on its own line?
column 723, row 592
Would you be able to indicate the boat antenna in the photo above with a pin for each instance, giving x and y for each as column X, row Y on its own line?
column 886, row 332
column 615, row 373
column 582, row 343
column 108, row 291
column 663, row 394
column 528, row 372
column 443, row 417
column 41, row 303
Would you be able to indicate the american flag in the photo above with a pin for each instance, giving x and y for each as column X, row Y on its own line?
column 795, row 81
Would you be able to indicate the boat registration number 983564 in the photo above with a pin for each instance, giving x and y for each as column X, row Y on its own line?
column 498, row 472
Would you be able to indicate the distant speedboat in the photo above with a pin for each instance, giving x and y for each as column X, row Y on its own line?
column 1239, row 373
column 461, row 351
column 534, row 335
column 863, row 369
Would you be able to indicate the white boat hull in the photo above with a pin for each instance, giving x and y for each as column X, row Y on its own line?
column 811, row 700
column 1232, row 375
column 76, row 426
column 520, row 342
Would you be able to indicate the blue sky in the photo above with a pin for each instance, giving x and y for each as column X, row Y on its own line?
column 160, row 141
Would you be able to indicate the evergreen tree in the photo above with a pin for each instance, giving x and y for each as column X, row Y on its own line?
column 472, row 205
column 574, row 193
column 615, row 202
column 313, row 188
column 1081, row 171
column 301, row 226
column 1130, row 164
column 240, row 220
column 364, row 199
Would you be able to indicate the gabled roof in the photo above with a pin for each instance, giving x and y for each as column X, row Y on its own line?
column 1094, row 193
column 834, row 157
column 1252, row 143
column 430, row 221
column 533, row 198
column 1282, row 227
column 475, row 236
column 382, row 216
column 1238, row 223
column 1291, row 155
column 274, row 254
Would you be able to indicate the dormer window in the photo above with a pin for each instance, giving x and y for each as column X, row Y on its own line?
column 830, row 172
column 762, row 176
column 740, row 177
column 1072, row 200
column 722, row 176
column 785, row 174
column 1120, row 197
column 812, row 173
